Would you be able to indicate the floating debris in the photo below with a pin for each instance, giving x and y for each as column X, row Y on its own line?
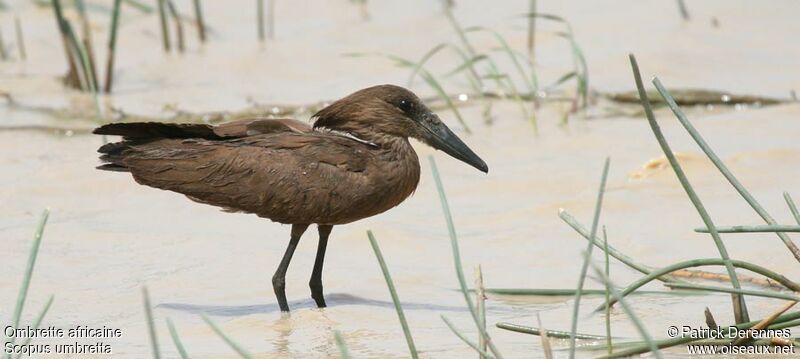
column 694, row 97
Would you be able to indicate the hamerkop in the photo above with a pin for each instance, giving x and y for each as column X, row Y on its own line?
column 355, row 162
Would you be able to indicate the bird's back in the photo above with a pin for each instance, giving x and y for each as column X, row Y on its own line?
column 278, row 169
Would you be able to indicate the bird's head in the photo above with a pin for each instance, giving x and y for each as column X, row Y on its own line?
column 388, row 110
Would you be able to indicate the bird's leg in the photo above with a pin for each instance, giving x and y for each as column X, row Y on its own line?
column 279, row 279
column 316, row 275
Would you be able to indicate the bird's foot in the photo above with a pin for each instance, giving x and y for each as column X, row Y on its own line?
column 320, row 301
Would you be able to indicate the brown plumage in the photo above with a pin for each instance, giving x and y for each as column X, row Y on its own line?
column 354, row 163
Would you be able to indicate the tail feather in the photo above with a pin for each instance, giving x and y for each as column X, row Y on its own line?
column 113, row 168
column 137, row 133
column 113, row 155
column 151, row 130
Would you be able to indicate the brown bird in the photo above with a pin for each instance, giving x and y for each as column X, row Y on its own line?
column 355, row 162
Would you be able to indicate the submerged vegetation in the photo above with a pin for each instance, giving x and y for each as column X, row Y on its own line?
column 22, row 297
column 479, row 75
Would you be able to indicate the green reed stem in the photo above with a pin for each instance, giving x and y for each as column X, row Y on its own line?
column 460, row 31
column 722, row 167
column 769, row 228
column 86, row 61
column 271, row 19
column 531, row 31
column 587, row 257
column 36, row 323
column 23, row 55
column 627, row 260
column 451, row 229
column 684, row 10
column 112, row 45
column 631, row 315
column 787, row 324
column 739, row 306
column 532, row 87
column 564, row 292
column 666, row 343
column 173, row 11
column 608, row 288
column 28, row 276
column 26, row 279
column 3, row 53
column 474, row 79
column 73, row 78
column 138, row 5
column 235, row 346
column 77, row 55
column 260, row 20
column 480, row 300
column 87, row 50
column 393, row 292
column 755, row 293
column 792, row 206
column 176, row 339
column 162, row 18
column 557, row 334
column 201, row 24
column 704, row 262
column 151, row 326
column 337, row 336
column 464, row 338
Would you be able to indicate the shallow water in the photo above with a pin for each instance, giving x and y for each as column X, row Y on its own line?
column 108, row 236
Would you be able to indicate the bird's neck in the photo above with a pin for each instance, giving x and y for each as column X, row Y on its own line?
column 401, row 169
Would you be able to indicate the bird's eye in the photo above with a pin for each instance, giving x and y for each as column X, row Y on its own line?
column 406, row 105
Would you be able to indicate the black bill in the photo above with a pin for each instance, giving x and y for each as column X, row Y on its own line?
column 441, row 138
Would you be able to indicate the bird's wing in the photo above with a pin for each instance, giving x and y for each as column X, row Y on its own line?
column 260, row 126
column 138, row 131
column 288, row 177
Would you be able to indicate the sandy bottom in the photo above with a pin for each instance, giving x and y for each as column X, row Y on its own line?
column 108, row 237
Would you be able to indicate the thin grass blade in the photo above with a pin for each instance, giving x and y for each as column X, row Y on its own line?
column 557, row 334
column 451, row 229
column 769, row 228
column 36, row 323
column 607, row 272
column 162, row 19
column 703, row 262
column 587, row 258
column 176, row 339
column 235, row 346
column 722, row 167
column 751, row 292
column 151, row 326
column 792, row 206
column 631, row 315
column 201, row 23
column 26, row 279
column 480, row 300
column 625, row 259
column 393, row 292
column 112, row 45
column 464, row 338
column 340, row 343
column 739, row 306
column 23, row 54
